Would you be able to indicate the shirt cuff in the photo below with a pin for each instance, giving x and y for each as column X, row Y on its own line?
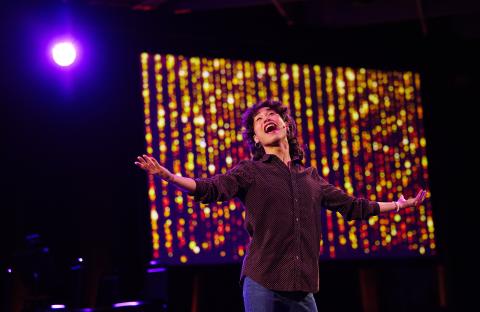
column 375, row 208
column 200, row 189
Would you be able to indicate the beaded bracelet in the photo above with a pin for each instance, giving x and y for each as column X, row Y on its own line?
column 397, row 206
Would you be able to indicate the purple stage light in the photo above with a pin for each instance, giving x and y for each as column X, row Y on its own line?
column 64, row 53
column 80, row 259
column 9, row 270
column 156, row 270
column 154, row 262
column 57, row 306
column 127, row 304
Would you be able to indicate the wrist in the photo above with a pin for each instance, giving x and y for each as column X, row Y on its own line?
column 397, row 206
column 171, row 179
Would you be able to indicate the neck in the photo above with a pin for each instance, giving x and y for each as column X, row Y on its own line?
column 281, row 150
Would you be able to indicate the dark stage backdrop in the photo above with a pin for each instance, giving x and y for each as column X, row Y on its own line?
column 69, row 140
column 362, row 128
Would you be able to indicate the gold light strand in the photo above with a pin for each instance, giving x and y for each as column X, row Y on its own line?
column 297, row 102
column 356, row 161
column 309, row 115
column 185, row 230
column 250, row 83
column 344, row 149
column 331, row 218
column 401, row 174
column 239, row 106
column 144, row 59
column 200, row 142
column 174, row 144
column 378, row 132
column 368, row 157
column 388, row 235
column 424, row 163
column 273, row 80
column 324, row 169
column 284, row 83
column 161, row 123
column 220, row 95
column 261, row 72
column 384, row 150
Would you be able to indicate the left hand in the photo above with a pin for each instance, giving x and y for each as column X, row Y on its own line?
column 412, row 202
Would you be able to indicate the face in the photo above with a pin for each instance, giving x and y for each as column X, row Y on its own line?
column 269, row 127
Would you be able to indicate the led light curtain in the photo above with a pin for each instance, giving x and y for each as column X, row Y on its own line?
column 362, row 129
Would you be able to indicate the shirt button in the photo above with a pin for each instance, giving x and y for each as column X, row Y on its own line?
column 296, row 219
column 296, row 199
column 297, row 257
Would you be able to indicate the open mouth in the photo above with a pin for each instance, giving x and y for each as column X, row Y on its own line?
column 270, row 127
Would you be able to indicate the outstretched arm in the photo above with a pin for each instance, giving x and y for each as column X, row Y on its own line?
column 151, row 166
column 353, row 208
column 220, row 187
column 403, row 203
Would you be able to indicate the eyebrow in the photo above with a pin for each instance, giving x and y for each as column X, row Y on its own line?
column 268, row 110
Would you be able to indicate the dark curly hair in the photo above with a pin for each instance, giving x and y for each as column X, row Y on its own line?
column 296, row 151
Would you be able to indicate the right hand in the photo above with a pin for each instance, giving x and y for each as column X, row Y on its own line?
column 412, row 202
column 151, row 166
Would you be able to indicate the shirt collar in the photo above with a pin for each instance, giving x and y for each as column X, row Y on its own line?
column 268, row 157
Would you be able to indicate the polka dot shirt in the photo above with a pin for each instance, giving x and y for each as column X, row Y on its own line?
column 282, row 217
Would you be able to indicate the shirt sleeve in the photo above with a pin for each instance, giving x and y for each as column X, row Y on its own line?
column 222, row 187
column 351, row 208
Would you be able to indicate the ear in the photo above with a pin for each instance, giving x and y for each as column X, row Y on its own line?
column 255, row 138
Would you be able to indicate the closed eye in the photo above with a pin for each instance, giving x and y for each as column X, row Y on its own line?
column 269, row 114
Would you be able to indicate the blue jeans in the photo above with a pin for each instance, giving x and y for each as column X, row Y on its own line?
column 257, row 298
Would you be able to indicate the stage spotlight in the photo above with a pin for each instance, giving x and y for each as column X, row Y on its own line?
column 127, row 304
column 57, row 306
column 64, row 53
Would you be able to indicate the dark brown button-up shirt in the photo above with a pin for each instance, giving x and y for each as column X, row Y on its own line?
column 282, row 217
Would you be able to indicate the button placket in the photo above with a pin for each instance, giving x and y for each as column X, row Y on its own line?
column 296, row 218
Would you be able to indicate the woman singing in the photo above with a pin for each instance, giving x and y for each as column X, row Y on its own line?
column 282, row 199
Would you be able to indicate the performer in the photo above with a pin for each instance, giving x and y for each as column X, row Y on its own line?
column 282, row 199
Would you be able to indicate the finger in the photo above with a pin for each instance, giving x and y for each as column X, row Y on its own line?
column 422, row 197
column 155, row 162
column 141, row 160
column 140, row 165
column 419, row 195
column 149, row 160
column 424, row 194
